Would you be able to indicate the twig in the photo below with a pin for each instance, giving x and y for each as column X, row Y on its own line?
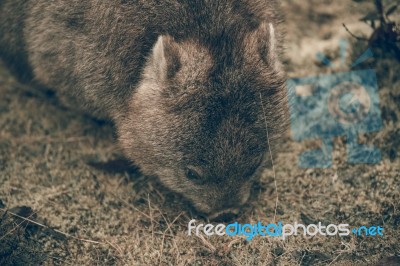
column 48, row 139
column 13, row 229
column 151, row 218
column 55, row 230
column 131, row 206
column 163, row 234
column 272, row 160
column 233, row 242
column 207, row 243
column 353, row 35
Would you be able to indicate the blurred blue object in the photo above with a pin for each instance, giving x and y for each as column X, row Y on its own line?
column 339, row 104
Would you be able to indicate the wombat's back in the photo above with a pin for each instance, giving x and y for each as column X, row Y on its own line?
column 94, row 51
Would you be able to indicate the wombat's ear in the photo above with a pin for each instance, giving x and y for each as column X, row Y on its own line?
column 165, row 58
column 264, row 41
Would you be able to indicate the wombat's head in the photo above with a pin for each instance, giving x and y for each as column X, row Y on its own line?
column 197, row 120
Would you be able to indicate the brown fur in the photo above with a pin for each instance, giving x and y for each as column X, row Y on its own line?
column 182, row 80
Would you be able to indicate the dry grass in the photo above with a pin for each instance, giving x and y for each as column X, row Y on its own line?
column 82, row 215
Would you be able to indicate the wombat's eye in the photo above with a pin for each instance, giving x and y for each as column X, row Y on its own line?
column 193, row 175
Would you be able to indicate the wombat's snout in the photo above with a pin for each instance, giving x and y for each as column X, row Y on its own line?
column 225, row 206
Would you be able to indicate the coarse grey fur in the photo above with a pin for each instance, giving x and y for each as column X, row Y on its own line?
column 192, row 86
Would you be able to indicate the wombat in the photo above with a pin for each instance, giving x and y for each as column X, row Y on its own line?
column 195, row 88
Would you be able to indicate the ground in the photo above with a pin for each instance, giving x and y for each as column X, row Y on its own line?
column 80, row 214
